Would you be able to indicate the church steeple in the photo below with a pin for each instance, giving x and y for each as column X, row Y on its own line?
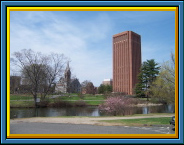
column 68, row 77
column 67, row 71
column 67, row 67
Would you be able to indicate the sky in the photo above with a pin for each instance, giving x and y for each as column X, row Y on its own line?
column 85, row 37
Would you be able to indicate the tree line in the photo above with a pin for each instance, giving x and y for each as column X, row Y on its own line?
column 40, row 73
column 157, row 82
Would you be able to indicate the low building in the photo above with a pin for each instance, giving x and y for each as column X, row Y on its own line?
column 61, row 86
column 107, row 82
column 75, row 86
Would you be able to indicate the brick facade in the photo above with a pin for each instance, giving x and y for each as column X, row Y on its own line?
column 126, row 61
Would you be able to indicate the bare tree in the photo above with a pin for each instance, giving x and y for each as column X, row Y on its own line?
column 14, row 83
column 88, row 87
column 40, row 71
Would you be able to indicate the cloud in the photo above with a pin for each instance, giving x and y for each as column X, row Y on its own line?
column 54, row 32
column 86, row 37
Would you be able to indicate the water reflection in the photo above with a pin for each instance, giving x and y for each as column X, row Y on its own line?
column 83, row 111
column 145, row 110
column 51, row 112
column 159, row 109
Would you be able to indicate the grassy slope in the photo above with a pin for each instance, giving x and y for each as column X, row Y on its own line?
column 21, row 97
column 89, row 99
column 142, row 121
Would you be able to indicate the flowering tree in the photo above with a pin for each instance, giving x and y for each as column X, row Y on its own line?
column 116, row 105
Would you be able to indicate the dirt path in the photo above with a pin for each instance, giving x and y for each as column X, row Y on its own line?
column 80, row 120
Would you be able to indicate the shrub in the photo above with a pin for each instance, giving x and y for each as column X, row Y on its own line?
column 60, row 103
column 80, row 103
column 117, row 94
column 43, row 103
column 116, row 105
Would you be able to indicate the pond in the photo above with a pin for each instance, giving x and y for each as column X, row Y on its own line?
column 83, row 111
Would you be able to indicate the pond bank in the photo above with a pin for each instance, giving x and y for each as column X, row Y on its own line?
column 87, row 120
column 30, row 104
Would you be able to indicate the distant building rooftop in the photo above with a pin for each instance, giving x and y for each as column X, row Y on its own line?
column 107, row 80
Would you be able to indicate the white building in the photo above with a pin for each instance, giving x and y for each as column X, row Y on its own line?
column 107, row 82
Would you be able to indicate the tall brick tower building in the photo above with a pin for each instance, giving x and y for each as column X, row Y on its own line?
column 126, row 61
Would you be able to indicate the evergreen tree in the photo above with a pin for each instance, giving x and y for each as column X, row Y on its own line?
column 108, row 88
column 101, row 89
column 139, row 88
column 148, row 73
column 104, row 89
column 153, row 70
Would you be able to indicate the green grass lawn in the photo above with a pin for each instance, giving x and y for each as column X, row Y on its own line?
column 94, row 102
column 94, row 97
column 85, row 97
column 141, row 122
column 67, row 98
column 89, row 99
column 20, row 97
column 24, row 96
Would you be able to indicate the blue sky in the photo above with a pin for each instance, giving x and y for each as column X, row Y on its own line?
column 86, row 36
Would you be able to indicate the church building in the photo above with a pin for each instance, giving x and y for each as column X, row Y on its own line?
column 66, row 84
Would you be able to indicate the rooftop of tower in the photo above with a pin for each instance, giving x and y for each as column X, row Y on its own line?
column 115, row 35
